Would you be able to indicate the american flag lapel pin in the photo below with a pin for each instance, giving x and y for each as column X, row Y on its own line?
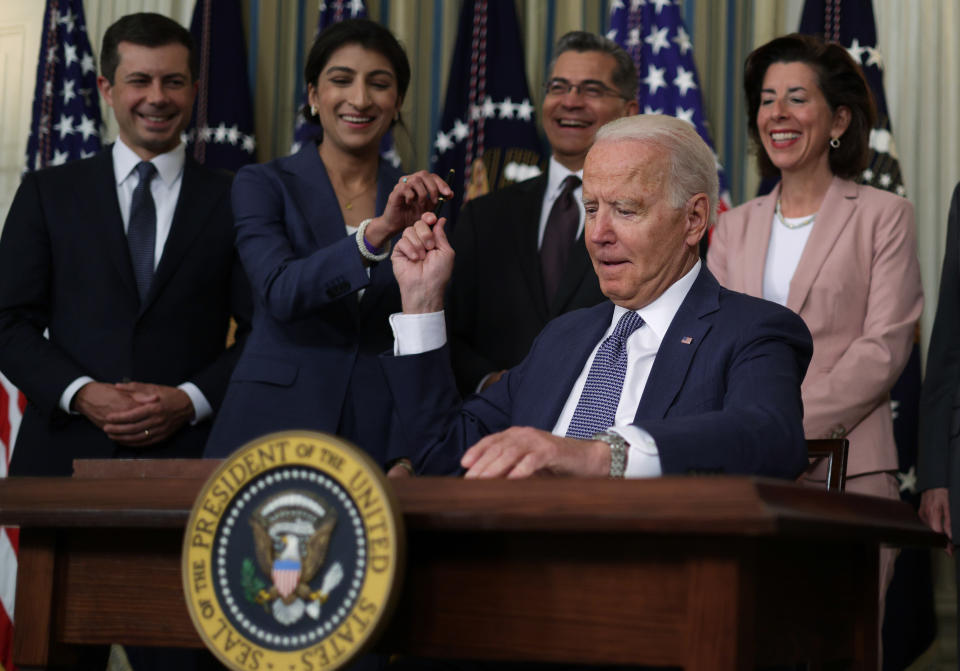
column 686, row 340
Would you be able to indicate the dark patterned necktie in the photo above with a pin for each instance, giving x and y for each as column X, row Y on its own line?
column 558, row 236
column 142, row 228
column 597, row 408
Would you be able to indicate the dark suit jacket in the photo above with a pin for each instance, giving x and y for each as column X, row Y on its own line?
column 65, row 266
column 728, row 401
column 311, row 361
column 496, row 305
column 938, row 461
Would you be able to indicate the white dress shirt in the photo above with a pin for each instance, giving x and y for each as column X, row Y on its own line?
column 165, row 189
column 414, row 334
column 556, row 173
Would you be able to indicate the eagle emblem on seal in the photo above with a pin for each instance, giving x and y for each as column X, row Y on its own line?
column 291, row 532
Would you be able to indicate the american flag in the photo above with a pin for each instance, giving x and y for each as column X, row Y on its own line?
column 12, row 403
column 221, row 130
column 66, row 122
column 330, row 12
column 66, row 125
column 487, row 133
column 653, row 33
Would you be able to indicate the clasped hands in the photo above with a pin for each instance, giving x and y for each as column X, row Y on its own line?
column 134, row 414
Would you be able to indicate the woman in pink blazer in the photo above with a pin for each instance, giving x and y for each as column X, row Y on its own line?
column 841, row 255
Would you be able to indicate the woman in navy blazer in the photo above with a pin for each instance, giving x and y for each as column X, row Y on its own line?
column 312, row 230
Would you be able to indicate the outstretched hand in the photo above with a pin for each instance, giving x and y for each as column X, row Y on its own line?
column 523, row 452
column 413, row 196
column 422, row 263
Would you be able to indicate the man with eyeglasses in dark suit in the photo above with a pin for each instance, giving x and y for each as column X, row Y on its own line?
column 521, row 259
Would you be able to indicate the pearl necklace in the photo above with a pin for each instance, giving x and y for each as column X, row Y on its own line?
column 778, row 213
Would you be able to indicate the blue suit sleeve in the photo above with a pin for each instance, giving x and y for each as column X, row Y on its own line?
column 290, row 283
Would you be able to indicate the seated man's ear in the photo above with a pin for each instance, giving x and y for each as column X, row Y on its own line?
column 698, row 218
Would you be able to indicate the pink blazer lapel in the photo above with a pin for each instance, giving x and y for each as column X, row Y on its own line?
column 836, row 210
column 758, row 241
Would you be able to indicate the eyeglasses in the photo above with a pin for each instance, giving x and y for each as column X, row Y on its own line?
column 589, row 88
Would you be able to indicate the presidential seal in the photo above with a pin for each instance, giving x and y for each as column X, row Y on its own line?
column 293, row 554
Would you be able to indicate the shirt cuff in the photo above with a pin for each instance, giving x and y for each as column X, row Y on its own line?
column 418, row 333
column 66, row 398
column 643, row 457
column 201, row 407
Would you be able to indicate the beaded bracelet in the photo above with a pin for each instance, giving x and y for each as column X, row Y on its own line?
column 367, row 250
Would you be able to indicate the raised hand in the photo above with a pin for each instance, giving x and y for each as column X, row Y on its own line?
column 422, row 263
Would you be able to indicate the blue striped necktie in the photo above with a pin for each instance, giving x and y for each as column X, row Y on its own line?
column 597, row 408
column 142, row 229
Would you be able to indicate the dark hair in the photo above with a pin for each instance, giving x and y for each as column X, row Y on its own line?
column 624, row 73
column 369, row 35
column 148, row 30
column 840, row 80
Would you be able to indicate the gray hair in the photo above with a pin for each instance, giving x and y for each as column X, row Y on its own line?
column 624, row 73
column 693, row 167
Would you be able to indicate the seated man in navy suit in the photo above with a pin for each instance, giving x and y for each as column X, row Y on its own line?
column 674, row 374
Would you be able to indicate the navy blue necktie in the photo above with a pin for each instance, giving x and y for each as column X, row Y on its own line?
column 142, row 229
column 597, row 408
column 559, row 236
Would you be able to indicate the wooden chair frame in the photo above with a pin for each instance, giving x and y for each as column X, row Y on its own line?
column 834, row 451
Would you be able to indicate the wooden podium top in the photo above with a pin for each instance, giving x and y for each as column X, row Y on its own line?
column 159, row 494
column 705, row 573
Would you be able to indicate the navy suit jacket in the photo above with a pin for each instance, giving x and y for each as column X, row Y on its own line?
column 311, row 361
column 65, row 266
column 726, row 401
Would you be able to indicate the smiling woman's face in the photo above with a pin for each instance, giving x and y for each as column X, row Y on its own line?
column 356, row 98
column 794, row 119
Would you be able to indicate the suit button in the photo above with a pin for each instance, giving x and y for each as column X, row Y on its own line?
column 338, row 289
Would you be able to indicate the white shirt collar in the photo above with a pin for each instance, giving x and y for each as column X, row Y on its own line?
column 660, row 313
column 556, row 173
column 169, row 165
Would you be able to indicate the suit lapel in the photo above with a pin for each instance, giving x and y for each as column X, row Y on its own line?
column 314, row 197
column 678, row 347
column 836, row 210
column 526, row 217
column 758, row 241
column 568, row 359
column 578, row 264
column 190, row 217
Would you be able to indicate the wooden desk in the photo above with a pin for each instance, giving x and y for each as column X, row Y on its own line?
column 703, row 573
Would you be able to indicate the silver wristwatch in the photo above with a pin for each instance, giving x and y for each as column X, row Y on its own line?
column 618, row 451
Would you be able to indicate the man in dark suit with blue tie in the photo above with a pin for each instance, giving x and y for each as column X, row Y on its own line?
column 674, row 374
column 127, row 261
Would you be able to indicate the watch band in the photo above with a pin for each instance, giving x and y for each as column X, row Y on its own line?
column 618, row 451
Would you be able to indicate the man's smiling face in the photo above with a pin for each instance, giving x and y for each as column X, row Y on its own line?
column 571, row 120
column 151, row 95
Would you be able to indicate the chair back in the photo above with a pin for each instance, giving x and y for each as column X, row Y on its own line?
column 832, row 453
